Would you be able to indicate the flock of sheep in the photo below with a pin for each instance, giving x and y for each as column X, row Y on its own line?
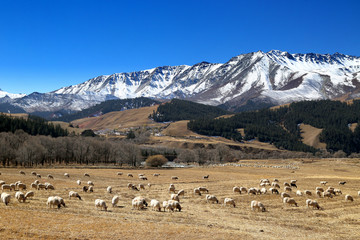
column 173, row 203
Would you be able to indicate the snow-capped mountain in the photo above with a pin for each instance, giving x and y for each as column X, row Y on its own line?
column 11, row 95
column 274, row 77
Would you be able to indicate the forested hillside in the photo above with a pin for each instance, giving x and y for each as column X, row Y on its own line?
column 177, row 110
column 110, row 106
column 281, row 126
column 32, row 125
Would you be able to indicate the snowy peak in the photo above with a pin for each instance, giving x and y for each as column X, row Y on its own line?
column 11, row 95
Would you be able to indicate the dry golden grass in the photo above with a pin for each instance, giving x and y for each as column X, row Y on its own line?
column 19, row 115
column 310, row 136
column 353, row 126
column 197, row 220
column 65, row 125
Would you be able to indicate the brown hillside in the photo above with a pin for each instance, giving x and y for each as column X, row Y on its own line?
column 310, row 136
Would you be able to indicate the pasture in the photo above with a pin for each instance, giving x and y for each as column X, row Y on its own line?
column 198, row 219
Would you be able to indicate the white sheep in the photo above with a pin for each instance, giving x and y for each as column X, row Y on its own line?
column 312, row 203
column 323, row 182
column 349, row 198
column 287, row 189
column 284, row 195
column 90, row 183
column 129, row 185
column 257, row 205
column 175, row 197
column 307, row 192
column 174, row 178
column 229, row 201
column 181, row 192
column 53, row 202
column 20, row 196
column 337, row 191
column 91, row 189
column 299, row 193
column 61, row 200
column 119, row 173
column 211, row 198
column 172, row 188
column 289, row 201
column 74, row 194
column 5, row 197
column 100, row 204
column 319, row 189
column 166, row 206
column 156, row 174
column 275, row 185
column 286, row 184
column 236, row 189
column 263, row 191
column 38, row 175
column 253, row 191
column 130, row 175
column 109, row 189
column 143, row 178
column 174, row 205
column 2, row 183
column 36, row 182
column 327, row 194
column 78, row 182
column 293, row 181
column 29, row 194
column 149, row 185
column 155, row 205
column 139, row 203
column 319, row 193
column 115, row 200
column 66, row 175
column 203, row 189
column 6, row 187
column 197, row 191
column 273, row 190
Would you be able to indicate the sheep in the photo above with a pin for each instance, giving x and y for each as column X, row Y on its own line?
column 13, row 186
column 275, row 185
column 78, row 182
column 203, row 189
column 133, row 187
column 276, row 180
column 130, row 175
column 175, row 197
column 139, row 202
column 289, row 201
column 20, row 196
column 293, row 185
column 141, row 186
column 252, row 191
column 287, row 189
column 286, row 184
column 85, row 188
column 337, row 191
column 115, row 200
column 166, row 206
column 49, row 187
column 5, row 197
column 359, row 193
column 284, row 195
column 263, row 191
column 319, row 193
column 29, row 194
column 36, row 182
column 293, row 181
column 100, row 204
column 211, row 198
column 155, row 205
column 323, row 183
column 61, row 200
column 2, row 183
column 174, row 205
column 258, row 205
column 229, row 201
column 149, row 185
column 33, row 173
column 181, row 192
column 312, row 203
column 327, row 194
column 22, row 172
column 49, row 176
column 38, row 175
column 331, row 190
column 143, row 178
column 90, row 183
column 197, row 191
column 109, row 189
column 156, row 174
column 262, row 184
column 86, row 175
column 206, row 177
column 74, row 194
column 172, row 188
column 319, row 189
column 174, row 178
column 53, row 202
column 236, row 189
column 91, row 189
column 307, row 192
column 21, row 186
column 243, row 189
column 119, row 173
column 273, row 190
column 299, row 193
column 6, row 187
column 33, row 185
column 349, row 198
column 342, row 183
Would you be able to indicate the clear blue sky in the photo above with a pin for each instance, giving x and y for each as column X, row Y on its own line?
column 46, row 45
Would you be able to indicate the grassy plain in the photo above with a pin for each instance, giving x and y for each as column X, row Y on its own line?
column 198, row 220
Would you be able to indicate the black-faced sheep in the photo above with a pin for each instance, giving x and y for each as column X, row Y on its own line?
column 74, row 194
column 100, row 204
column 257, row 205
column 5, row 197
column 229, row 201
column 289, row 201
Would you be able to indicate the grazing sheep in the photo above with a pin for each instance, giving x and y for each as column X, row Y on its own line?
column 284, row 195
column 293, row 181
column 289, row 201
column 139, row 203
column 74, row 194
column 61, row 200
column 155, row 205
column 36, row 182
column 130, row 175
column 143, row 178
column 141, row 186
column 21, row 186
column 293, row 185
column 38, row 175
column 319, row 193
column 166, row 206
column 5, row 197
column 181, row 192
column 308, row 192
column 331, row 190
column 2, row 183
column 85, row 188
column 172, row 188
column 109, row 189
column 236, row 189
column 211, row 198
column 276, row 180
column 359, row 193
column 49, row 176
column 22, row 172
column 252, row 191
column 312, row 203
column 90, row 183
column 91, row 189
column 286, row 184
column 29, row 194
column 174, row 205
column 129, row 185
column 229, row 201
column 243, row 189
column 13, row 186
column 206, row 177
column 275, row 185
column 342, row 183
column 119, row 173
column 66, row 175
column 86, row 175
column 319, row 189
column 49, row 187
column 100, row 204
column 197, row 191
column 20, row 196
column 287, row 189
column 323, row 183
column 298, row 193
column 53, row 202
column 133, row 187
column 33, row 173
column 203, row 189
column 156, row 174
column 175, row 197
column 257, row 205
column 174, row 178
column 327, row 194
column 115, row 200
column 263, row 191
column 149, row 185
column 33, row 185
column 273, row 190
column 78, row 182
column 349, row 198
column 337, row 191
column 41, row 186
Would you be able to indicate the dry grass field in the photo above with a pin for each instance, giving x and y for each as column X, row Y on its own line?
column 197, row 220
column 311, row 136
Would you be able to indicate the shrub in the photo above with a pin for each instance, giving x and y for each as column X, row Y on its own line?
column 156, row 161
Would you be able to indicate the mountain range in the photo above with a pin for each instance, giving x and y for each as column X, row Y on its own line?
column 256, row 78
